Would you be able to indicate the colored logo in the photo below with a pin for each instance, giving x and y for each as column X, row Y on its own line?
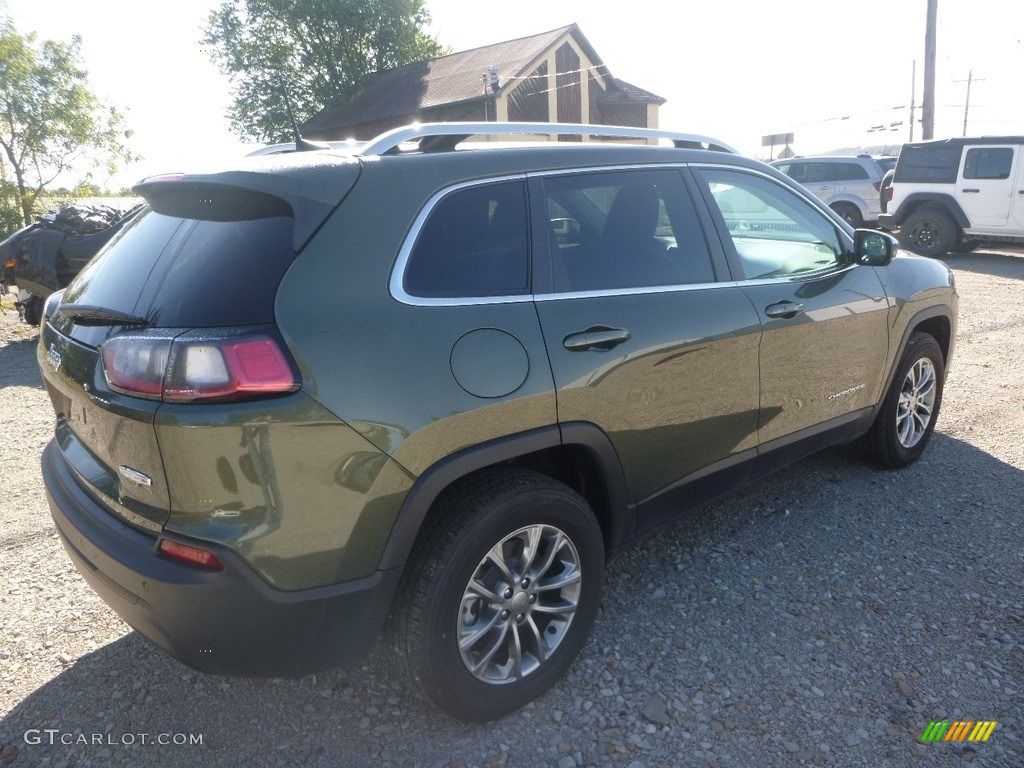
column 959, row 730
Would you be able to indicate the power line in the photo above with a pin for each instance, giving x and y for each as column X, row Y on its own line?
column 967, row 102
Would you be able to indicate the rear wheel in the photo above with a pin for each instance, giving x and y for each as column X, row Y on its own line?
column 905, row 423
column 32, row 309
column 850, row 213
column 929, row 232
column 500, row 596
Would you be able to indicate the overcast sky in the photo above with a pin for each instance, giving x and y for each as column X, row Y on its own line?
column 825, row 71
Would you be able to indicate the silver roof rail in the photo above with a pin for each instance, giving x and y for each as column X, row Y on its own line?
column 433, row 137
column 277, row 149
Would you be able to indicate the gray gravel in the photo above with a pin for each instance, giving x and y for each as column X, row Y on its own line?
column 820, row 617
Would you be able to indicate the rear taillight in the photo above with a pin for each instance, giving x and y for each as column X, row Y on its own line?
column 888, row 194
column 191, row 555
column 878, row 186
column 197, row 366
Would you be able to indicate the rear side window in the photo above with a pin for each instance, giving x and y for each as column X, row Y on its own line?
column 988, row 163
column 846, row 171
column 622, row 230
column 474, row 243
column 938, row 165
column 182, row 272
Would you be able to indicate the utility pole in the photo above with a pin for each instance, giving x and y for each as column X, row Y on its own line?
column 967, row 104
column 913, row 95
column 928, row 100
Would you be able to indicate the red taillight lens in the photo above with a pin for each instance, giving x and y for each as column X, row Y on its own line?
column 191, row 555
column 243, row 368
column 192, row 368
column 888, row 194
column 878, row 186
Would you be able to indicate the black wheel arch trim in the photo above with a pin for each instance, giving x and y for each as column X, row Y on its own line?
column 914, row 201
column 921, row 316
column 431, row 483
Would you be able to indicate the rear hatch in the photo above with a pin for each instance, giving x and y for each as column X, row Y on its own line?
column 202, row 261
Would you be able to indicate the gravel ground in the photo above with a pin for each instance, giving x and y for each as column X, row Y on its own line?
column 820, row 617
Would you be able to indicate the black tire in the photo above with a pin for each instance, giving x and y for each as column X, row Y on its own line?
column 898, row 437
column 32, row 309
column 929, row 232
column 850, row 214
column 435, row 608
column 965, row 247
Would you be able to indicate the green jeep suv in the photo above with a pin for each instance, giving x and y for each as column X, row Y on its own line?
column 426, row 387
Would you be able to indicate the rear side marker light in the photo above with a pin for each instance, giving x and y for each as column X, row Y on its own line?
column 190, row 555
column 888, row 194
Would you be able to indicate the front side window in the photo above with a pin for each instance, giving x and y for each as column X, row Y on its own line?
column 988, row 163
column 474, row 243
column 624, row 229
column 774, row 232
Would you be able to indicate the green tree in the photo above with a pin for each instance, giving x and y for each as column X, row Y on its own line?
column 320, row 50
column 50, row 122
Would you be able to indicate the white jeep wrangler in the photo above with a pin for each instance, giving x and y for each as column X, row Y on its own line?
column 957, row 194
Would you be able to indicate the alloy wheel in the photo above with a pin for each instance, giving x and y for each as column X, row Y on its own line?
column 916, row 403
column 518, row 604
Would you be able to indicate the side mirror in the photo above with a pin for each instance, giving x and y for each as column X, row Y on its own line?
column 873, row 248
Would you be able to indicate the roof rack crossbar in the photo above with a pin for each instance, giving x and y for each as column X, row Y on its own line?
column 446, row 136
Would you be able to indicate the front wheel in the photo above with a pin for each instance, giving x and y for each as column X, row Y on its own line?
column 500, row 596
column 905, row 423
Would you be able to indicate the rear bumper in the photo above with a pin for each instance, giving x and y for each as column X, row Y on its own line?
column 227, row 622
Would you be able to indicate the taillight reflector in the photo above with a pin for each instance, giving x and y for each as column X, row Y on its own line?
column 191, row 555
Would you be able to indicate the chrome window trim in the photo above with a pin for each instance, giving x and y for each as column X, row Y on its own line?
column 396, row 283
column 397, row 279
column 633, row 291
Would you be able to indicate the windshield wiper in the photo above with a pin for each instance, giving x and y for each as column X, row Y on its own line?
column 83, row 314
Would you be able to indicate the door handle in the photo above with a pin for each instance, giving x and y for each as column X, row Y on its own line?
column 598, row 337
column 784, row 309
column 824, row 189
column 971, row 190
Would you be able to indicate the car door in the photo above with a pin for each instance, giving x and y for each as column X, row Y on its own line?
column 825, row 336
column 1018, row 198
column 985, row 186
column 645, row 339
column 853, row 183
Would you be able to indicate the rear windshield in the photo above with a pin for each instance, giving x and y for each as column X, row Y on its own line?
column 886, row 163
column 185, row 273
column 928, row 164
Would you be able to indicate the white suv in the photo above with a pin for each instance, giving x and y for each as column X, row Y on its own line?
column 957, row 194
column 848, row 184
